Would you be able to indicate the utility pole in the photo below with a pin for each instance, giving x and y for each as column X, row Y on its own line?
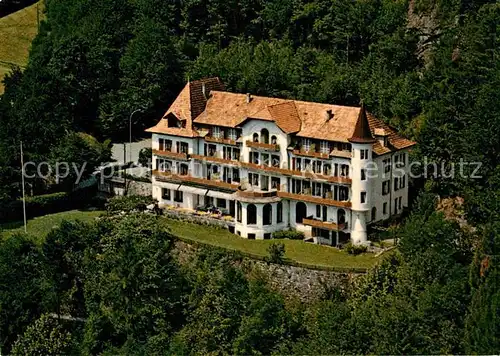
column 24, row 194
column 130, row 134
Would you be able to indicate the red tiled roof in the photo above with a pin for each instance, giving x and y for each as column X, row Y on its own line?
column 306, row 119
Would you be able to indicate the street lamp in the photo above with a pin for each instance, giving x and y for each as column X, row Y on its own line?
column 130, row 133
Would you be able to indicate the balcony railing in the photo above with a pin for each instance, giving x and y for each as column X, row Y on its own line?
column 215, row 159
column 226, row 141
column 263, row 146
column 324, row 224
column 303, row 152
column 171, row 154
column 169, row 177
column 314, row 200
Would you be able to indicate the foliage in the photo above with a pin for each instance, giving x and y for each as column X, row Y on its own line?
column 145, row 156
column 21, row 287
column 276, row 253
column 289, row 234
column 128, row 203
column 44, row 337
column 353, row 249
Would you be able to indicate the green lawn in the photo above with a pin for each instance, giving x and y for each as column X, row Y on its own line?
column 296, row 250
column 17, row 30
column 40, row 226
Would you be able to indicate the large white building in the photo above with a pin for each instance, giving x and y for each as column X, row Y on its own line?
column 273, row 164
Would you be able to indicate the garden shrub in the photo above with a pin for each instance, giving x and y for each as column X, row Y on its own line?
column 289, row 234
column 355, row 249
column 129, row 203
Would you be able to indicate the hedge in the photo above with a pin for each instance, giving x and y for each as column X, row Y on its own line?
column 48, row 204
column 289, row 234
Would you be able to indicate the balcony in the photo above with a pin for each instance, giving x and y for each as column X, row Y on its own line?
column 225, row 141
column 324, row 224
column 263, row 146
column 314, row 200
column 215, row 159
column 169, row 177
column 171, row 154
column 310, row 153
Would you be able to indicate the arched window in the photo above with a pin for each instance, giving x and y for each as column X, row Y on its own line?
column 279, row 212
column 374, row 213
column 264, row 136
column 300, row 212
column 251, row 214
column 341, row 216
column 238, row 212
column 267, row 214
column 255, row 137
column 274, row 140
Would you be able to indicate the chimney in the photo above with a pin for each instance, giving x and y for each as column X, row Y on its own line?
column 328, row 114
column 249, row 98
column 204, row 91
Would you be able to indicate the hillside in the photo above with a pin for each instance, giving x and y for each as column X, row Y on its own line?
column 17, row 30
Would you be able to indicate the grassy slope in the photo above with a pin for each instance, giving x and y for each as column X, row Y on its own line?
column 17, row 30
column 298, row 251
column 39, row 227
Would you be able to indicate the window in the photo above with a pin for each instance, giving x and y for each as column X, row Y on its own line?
column 327, row 169
column 400, row 200
column 363, row 174
column 182, row 147
column 396, row 206
column 254, row 157
column 251, row 215
column 387, row 165
column 403, row 159
column 165, row 194
column 384, row 208
column 275, row 161
column 221, row 203
column 363, row 154
column 267, row 214
column 179, row 196
column 255, row 137
column 374, row 213
column 267, row 236
column 403, row 181
column 231, row 134
column 265, row 159
column 264, row 136
column 161, row 143
column 343, row 193
column 324, row 147
column 236, row 175
column 363, row 197
column 396, row 183
column 306, row 144
column 274, row 140
column 216, row 132
column 183, row 169
column 238, row 212
column 279, row 212
column 386, row 187
column 318, row 211
column 253, row 179
column 275, row 182
column 251, row 236
column 210, row 150
column 168, row 145
column 344, row 170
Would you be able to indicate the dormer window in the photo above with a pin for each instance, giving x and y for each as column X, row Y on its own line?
column 231, row 134
column 306, row 144
column 324, row 147
column 216, row 132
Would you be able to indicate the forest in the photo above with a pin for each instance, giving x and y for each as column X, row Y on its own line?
column 429, row 68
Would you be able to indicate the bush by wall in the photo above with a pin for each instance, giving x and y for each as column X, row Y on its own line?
column 46, row 204
column 289, row 234
column 355, row 249
column 129, row 203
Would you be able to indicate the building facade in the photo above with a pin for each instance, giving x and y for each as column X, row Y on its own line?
column 271, row 164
